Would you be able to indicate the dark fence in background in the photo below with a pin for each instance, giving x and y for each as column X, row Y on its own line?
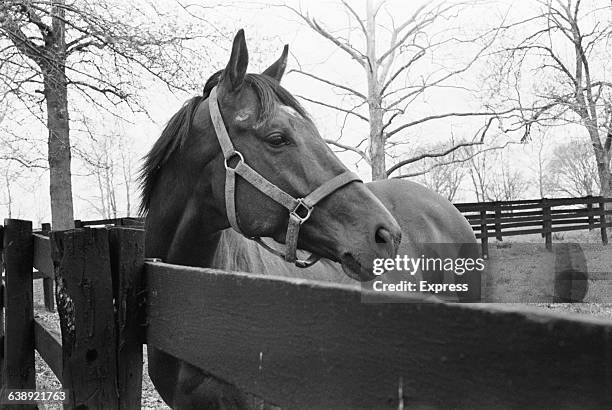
column 537, row 216
column 126, row 221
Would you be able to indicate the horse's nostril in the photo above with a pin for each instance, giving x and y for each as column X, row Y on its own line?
column 387, row 238
column 382, row 236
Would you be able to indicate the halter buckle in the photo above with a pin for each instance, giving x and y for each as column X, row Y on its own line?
column 231, row 156
column 302, row 211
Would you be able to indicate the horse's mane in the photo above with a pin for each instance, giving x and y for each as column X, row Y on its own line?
column 269, row 93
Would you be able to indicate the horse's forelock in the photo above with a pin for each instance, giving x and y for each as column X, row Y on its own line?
column 267, row 90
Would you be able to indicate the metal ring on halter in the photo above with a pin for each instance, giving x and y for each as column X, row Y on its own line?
column 302, row 204
column 231, row 156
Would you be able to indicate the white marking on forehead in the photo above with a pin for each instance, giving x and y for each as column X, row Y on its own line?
column 290, row 111
column 243, row 115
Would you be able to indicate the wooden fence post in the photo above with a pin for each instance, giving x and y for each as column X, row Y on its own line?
column 547, row 223
column 2, row 298
column 602, row 221
column 483, row 234
column 589, row 208
column 498, row 230
column 87, row 317
column 48, row 292
column 1, row 332
column 127, row 264
column 18, row 249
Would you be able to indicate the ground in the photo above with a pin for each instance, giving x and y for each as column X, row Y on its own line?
column 522, row 271
column 46, row 380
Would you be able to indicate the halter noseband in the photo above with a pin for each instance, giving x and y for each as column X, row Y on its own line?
column 299, row 209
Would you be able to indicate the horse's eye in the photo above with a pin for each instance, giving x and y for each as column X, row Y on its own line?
column 277, row 140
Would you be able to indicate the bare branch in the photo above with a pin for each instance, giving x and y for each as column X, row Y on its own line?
column 443, row 153
column 354, row 13
column 335, row 107
column 345, row 147
column 454, row 161
column 418, row 26
column 343, row 45
column 333, row 84
column 446, row 115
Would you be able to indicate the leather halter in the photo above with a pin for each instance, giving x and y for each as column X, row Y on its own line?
column 299, row 209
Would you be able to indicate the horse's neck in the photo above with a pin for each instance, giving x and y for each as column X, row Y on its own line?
column 192, row 245
column 236, row 253
column 185, row 236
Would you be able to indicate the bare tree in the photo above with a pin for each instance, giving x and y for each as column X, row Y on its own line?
column 444, row 175
column 507, row 183
column 102, row 167
column 565, row 48
column 542, row 162
column 127, row 163
column 572, row 170
column 110, row 161
column 480, row 170
column 402, row 62
column 98, row 51
column 12, row 162
column 489, row 175
column 8, row 177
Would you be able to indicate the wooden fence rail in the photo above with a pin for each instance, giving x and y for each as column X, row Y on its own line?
column 538, row 216
column 296, row 343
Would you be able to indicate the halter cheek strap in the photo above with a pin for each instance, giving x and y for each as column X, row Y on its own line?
column 299, row 209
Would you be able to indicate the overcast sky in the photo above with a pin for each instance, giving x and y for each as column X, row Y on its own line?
column 268, row 27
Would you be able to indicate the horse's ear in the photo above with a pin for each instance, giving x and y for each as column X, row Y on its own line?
column 277, row 69
column 234, row 73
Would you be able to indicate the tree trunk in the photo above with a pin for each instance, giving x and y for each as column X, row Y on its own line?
column 9, row 194
column 59, row 152
column 377, row 139
column 605, row 176
column 541, row 170
column 56, row 94
column 126, row 180
column 602, row 157
column 127, row 201
column 377, row 142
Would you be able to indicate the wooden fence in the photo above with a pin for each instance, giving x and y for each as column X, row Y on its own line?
column 296, row 343
column 537, row 216
column 98, row 356
column 488, row 220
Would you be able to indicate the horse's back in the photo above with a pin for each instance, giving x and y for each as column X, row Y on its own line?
column 431, row 227
column 424, row 215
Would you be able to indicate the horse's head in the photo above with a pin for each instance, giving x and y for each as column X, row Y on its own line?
column 276, row 138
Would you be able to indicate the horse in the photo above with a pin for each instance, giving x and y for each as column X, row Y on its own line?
column 246, row 155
